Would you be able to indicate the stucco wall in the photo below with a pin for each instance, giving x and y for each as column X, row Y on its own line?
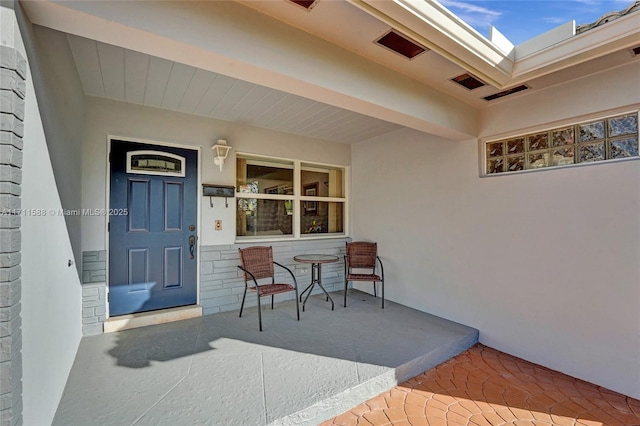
column 61, row 99
column 606, row 93
column 544, row 264
column 51, row 293
column 104, row 117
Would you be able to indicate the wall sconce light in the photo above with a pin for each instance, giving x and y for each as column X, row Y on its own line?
column 220, row 152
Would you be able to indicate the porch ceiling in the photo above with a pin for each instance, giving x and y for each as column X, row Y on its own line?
column 125, row 75
column 317, row 73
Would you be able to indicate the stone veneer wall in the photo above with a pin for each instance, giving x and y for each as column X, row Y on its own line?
column 221, row 286
column 13, row 72
column 94, row 289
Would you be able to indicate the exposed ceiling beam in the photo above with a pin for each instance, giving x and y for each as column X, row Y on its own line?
column 231, row 39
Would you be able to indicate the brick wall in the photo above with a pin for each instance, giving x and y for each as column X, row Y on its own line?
column 13, row 71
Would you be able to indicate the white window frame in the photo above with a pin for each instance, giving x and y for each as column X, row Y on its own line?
column 297, row 197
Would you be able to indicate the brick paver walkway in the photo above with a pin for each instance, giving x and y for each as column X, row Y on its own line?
column 483, row 386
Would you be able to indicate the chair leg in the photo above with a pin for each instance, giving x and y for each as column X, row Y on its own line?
column 259, row 310
column 272, row 302
column 346, row 284
column 375, row 293
column 382, row 294
column 243, row 296
column 297, row 305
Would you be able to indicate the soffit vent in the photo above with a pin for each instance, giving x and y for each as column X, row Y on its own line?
column 307, row 4
column 400, row 44
column 506, row 92
column 468, row 81
column 635, row 51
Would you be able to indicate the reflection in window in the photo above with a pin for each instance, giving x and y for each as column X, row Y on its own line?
column 324, row 218
column 248, row 205
column 270, row 177
column 260, row 217
column 329, row 182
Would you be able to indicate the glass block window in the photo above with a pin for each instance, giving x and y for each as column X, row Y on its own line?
column 598, row 140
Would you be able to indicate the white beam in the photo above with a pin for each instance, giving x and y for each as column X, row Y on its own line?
column 231, row 39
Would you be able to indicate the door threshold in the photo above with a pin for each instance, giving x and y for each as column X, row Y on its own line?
column 143, row 319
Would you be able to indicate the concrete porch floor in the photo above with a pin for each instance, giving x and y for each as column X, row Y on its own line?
column 220, row 370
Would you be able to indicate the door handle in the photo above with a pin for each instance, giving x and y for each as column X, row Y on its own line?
column 192, row 246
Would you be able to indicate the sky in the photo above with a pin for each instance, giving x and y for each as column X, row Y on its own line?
column 521, row 20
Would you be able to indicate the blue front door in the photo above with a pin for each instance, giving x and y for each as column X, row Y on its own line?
column 152, row 227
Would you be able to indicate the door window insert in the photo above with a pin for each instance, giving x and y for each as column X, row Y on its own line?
column 155, row 163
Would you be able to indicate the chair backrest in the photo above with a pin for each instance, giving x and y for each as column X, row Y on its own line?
column 258, row 260
column 361, row 254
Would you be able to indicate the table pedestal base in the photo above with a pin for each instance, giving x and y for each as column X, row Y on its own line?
column 316, row 278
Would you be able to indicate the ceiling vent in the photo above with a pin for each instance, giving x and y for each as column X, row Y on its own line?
column 400, row 44
column 635, row 51
column 506, row 92
column 307, row 4
column 468, row 81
